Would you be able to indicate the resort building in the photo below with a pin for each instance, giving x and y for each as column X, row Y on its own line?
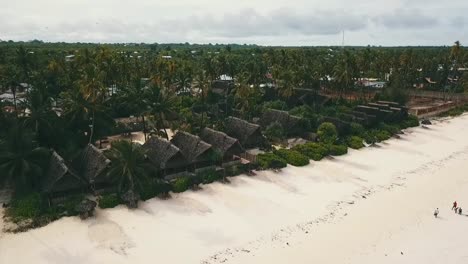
column 168, row 159
column 197, row 152
column 291, row 124
column 227, row 146
column 60, row 179
column 92, row 164
column 248, row 134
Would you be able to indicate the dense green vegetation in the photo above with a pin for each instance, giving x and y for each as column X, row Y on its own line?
column 109, row 201
column 270, row 161
column 355, row 142
column 292, row 157
column 64, row 96
column 314, row 151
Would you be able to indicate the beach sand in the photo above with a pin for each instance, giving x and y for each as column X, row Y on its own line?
column 371, row 206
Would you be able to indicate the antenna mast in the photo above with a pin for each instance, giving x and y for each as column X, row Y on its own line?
column 343, row 41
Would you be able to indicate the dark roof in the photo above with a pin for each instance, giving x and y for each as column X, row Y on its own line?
column 92, row 163
column 219, row 140
column 160, row 151
column 286, row 120
column 240, row 129
column 190, row 145
column 59, row 176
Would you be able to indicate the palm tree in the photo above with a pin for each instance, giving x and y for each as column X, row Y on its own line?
column 41, row 114
column 345, row 72
column 93, row 91
column 12, row 75
column 129, row 168
column 244, row 94
column 21, row 159
column 203, row 86
column 284, row 81
column 159, row 104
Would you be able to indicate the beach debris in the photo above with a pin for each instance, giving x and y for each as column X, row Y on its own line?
column 85, row 208
column 131, row 199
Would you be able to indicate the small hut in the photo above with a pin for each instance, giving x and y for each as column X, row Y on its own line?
column 291, row 124
column 196, row 151
column 165, row 156
column 92, row 163
column 60, row 179
column 248, row 134
column 227, row 146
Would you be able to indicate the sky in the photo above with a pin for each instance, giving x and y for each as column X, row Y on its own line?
column 262, row 22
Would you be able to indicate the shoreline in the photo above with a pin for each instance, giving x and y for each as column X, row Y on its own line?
column 194, row 223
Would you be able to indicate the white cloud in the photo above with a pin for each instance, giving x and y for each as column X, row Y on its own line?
column 284, row 22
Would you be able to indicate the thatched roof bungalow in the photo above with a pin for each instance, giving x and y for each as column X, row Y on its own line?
column 197, row 152
column 227, row 146
column 165, row 156
column 92, row 163
column 60, row 179
column 291, row 124
column 248, row 134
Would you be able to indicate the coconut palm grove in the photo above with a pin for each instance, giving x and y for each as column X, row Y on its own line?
column 85, row 125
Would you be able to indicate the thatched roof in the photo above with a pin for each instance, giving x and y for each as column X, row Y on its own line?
column 240, row 129
column 60, row 177
column 190, row 145
column 286, row 120
column 161, row 151
column 219, row 140
column 92, row 163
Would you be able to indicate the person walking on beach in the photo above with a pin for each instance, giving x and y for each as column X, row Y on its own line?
column 454, row 206
column 459, row 211
column 436, row 212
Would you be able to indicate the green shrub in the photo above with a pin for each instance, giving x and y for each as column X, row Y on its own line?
column 314, row 151
column 236, row 170
column 27, row 207
column 274, row 132
column 292, row 157
column 355, row 142
column 208, row 176
column 382, row 135
column 391, row 129
column 338, row 150
column 376, row 135
column 181, row 184
column 357, row 130
column 277, row 105
column 109, row 201
column 70, row 203
column 327, row 133
column 369, row 137
column 410, row 121
column 147, row 191
column 270, row 161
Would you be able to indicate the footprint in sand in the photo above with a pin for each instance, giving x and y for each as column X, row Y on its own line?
column 109, row 235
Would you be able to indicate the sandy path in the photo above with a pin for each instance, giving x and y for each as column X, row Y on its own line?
column 319, row 210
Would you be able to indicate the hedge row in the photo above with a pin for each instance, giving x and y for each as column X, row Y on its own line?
column 292, row 157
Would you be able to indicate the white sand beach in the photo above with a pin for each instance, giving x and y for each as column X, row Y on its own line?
column 371, row 206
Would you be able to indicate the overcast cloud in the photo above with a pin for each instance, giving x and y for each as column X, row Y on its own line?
column 280, row 22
